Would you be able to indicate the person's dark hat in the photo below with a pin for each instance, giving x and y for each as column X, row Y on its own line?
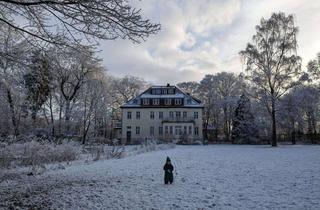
column 168, row 159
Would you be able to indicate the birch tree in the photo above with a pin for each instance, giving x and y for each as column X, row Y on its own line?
column 272, row 63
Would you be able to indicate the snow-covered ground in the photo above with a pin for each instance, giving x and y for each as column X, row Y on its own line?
column 208, row 177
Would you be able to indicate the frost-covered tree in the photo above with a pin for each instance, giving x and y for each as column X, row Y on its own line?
column 37, row 82
column 244, row 129
column 58, row 21
column 124, row 89
column 13, row 56
column 219, row 93
column 290, row 113
column 272, row 63
column 314, row 67
column 189, row 87
column 72, row 69
column 209, row 97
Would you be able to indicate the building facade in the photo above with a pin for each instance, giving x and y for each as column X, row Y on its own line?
column 165, row 113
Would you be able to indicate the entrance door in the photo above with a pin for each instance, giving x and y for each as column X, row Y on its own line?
column 128, row 137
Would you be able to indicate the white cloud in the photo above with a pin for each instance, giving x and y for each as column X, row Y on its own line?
column 203, row 36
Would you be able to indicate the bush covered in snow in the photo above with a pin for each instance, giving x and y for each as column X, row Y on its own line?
column 37, row 154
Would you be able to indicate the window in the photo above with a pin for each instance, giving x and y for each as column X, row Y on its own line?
column 128, row 127
column 160, row 130
column 196, row 131
column 185, row 130
column 167, row 101
column 138, row 130
column 151, row 131
column 164, row 91
column 151, row 115
column 190, row 130
column 189, row 101
column 195, row 115
column 171, row 91
column 184, row 114
column 158, row 91
column 156, row 101
column 128, row 115
column 137, row 115
column 166, row 130
column 160, row 115
column 177, row 130
column 145, row 101
column 177, row 101
column 171, row 130
column 178, row 114
column 171, row 114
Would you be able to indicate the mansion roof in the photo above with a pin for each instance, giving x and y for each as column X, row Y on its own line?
column 163, row 97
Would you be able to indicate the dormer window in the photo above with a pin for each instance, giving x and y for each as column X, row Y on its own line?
column 164, row 91
column 178, row 101
column 156, row 101
column 170, row 91
column 167, row 101
column 145, row 101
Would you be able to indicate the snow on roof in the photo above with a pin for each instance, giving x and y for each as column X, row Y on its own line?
column 189, row 101
column 177, row 95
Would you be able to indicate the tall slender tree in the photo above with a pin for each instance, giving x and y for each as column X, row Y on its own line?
column 272, row 63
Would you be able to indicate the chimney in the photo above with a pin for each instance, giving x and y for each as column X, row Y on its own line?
column 168, row 84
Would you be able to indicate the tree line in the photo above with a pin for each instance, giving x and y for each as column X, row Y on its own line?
column 272, row 97
column 53, row 84
column 58, row 91
column 51, row 81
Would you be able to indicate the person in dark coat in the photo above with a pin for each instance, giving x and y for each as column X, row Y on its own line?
column 168, row 172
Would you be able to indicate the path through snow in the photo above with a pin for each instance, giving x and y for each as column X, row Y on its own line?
column 209, row 177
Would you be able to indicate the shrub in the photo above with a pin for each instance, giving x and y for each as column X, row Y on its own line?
column 37, row 154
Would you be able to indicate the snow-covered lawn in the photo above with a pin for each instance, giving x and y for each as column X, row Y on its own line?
column 217, row 176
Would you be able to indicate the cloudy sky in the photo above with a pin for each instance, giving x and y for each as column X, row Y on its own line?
column 201, row 37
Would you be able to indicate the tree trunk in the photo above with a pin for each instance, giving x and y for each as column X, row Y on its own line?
column 274, row 126
column 84, row 136
column 60, row 118
column 67, row 117
column 51, row 116
column 293, row 134
column 13, row 114
column 225, row 124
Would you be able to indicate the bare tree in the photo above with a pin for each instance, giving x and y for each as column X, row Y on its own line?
column 272, row 64
column 220, row 93
column 13, row 56
column 228, row 87
column 91, row 98
column 53, row 21
column 208, row 95
column 124, row 89
column 72, row 70
column 189, row 87
column 314, row 67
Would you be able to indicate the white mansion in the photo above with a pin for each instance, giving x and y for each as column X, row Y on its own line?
column 162, row 112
